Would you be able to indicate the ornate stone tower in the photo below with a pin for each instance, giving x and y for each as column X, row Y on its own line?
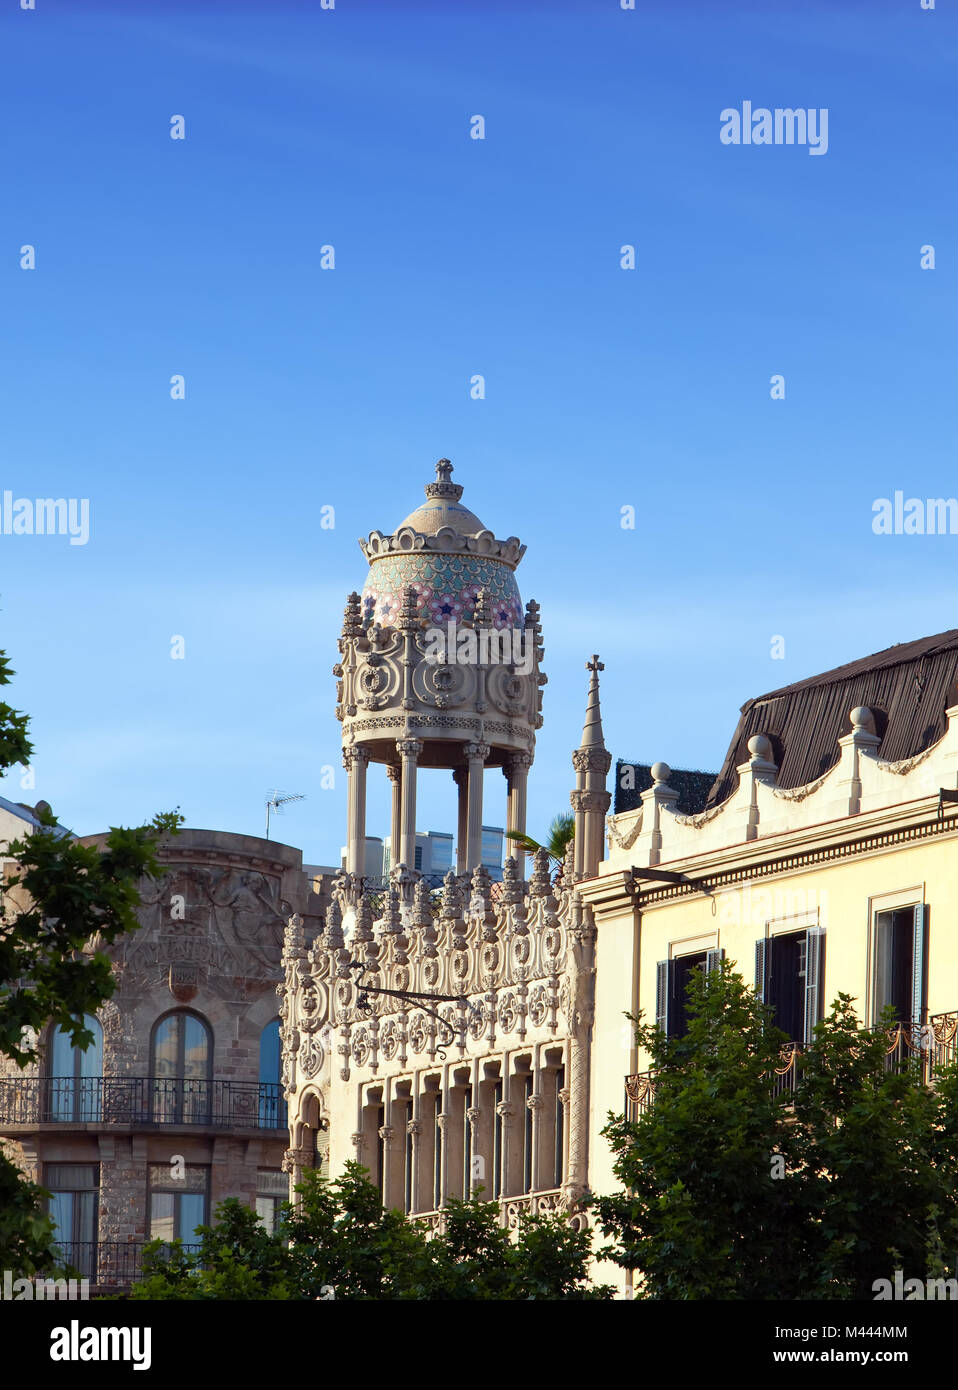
column 439, row 669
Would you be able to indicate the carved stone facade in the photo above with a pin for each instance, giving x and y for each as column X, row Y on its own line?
column 444, row 1036
column 173, row 1090
column 447, row 1048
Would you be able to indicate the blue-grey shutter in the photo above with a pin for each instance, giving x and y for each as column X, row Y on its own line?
column 713, row 960
column 760, row 967
column 813, row 980
column 918, row 969
column 663, row 992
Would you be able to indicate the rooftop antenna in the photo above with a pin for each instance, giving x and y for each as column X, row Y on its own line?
column 278, row 800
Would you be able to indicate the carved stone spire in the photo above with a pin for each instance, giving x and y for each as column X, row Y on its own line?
column 590, row 800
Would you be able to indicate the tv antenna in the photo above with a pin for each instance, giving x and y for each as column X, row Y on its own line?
column 278, row 800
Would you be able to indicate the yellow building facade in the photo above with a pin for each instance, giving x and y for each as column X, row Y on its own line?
column 844, row 883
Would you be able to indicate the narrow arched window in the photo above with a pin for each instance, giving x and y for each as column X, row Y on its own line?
column 272, row 1106
column 74, row 1081
column 180, row 1069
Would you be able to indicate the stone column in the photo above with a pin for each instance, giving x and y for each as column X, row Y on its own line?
column 409, row 750
column 476, row 753
column 355, row 761
column 394, row 773
column 505, row 1110
column 442, row 1120
column 535, row 1105
column 473, row 1115
column 386, row 1133
column 517, row 776
column 414, row 1128
column 461, row 778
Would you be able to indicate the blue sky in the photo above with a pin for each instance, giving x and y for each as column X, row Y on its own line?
column 604, row 388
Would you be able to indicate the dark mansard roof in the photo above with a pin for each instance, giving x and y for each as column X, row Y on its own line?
column 907, row 687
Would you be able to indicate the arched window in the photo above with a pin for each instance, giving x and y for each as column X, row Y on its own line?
column 272, row 1106
column 75, row 1076
column 181, row 1063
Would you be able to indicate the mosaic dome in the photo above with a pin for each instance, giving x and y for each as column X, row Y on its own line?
column 446, row 554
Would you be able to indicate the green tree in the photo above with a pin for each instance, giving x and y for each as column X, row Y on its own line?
column 732, row 1193
column 561, row 832
column 339, row 1242
column 59, row 896
column 869, row 1138
column 704, row 1213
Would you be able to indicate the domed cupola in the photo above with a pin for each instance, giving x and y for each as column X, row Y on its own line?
column 439, row 669
column 446, row 554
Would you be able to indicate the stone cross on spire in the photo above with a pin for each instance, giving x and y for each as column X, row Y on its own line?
column 592, row 732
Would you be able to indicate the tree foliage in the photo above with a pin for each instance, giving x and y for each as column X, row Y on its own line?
column 339, row 1242
column 58, row 897
column 732, row 1192
column 561, row 832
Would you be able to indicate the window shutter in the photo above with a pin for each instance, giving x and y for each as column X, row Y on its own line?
column 663, row 994
column 918, row 969
column 813, row 980
column 760, row 946
column 713, row 960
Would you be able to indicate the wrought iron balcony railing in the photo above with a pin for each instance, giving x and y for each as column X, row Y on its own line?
column 141, row 1100
column 926, row 1049
column 107, row 1264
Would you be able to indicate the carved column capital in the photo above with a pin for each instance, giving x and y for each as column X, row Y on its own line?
column 393, row 772
column 592, row 760
column 359, row 1141
column 534, row 1103
column 565, row 1095
column 414, row 1127
column 355, row 756
column 386, row 1133
column 473, row 1114
column 409, row 748
column 505, row 1110
column 517, row 762
column 477, row 752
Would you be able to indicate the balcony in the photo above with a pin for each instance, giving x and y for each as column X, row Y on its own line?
column 140, row 1102
column 511, row 1210
column 111, row 1266
column 931, row 1047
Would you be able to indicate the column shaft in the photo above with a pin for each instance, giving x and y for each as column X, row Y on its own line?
column 409, row 750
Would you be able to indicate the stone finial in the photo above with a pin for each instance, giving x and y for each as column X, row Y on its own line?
column 294, row 938
column 482, row 614
column 392, row 917
column 352, row 617
column 511, row 891
column 761, row 760
column 661, row 772
column 363, row 932
column 334, row 927
column 540, row 885
column 480, row 903
column 451, row 898
column 443, row 489
column 862, row 720
column 408, row 614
